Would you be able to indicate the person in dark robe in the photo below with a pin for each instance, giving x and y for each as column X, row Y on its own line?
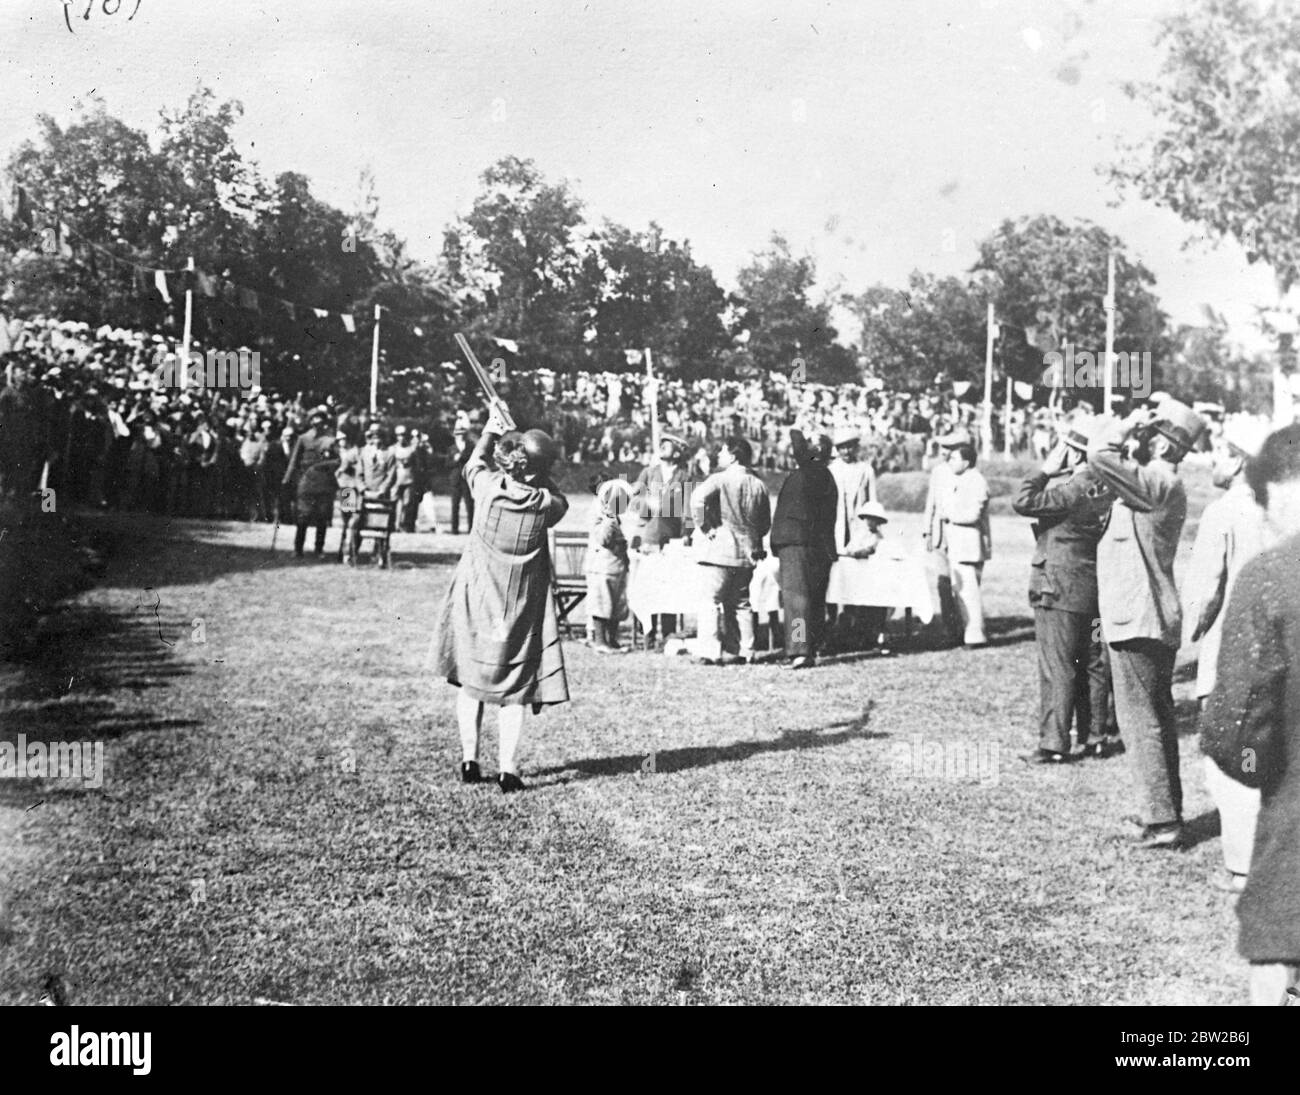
column 497, row 637
column 803, row 539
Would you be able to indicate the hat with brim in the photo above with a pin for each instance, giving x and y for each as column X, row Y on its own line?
column 846, row 436
column 1177, row 422
column 1079, row 433
column 872, row 509
column 1245, row 436
column 678, row 443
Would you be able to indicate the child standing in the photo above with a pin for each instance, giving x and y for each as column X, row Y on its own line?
column 606, row 566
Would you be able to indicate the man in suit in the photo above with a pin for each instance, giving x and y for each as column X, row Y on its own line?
column 939, row 487
column 732, row 510
column 1232, row 531
column 311, row 470
column 1141, row 617
column 1251, row 727
column 964, row 507
column 803, row 539
column 1070, row 505
column 405, row 454
column 462, row 449
column 855, row 485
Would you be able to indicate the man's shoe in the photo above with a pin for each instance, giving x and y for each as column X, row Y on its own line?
column 1046, row 756
column 1167, row 835
column 1229, row 881
column 802, row 663
column 509, row 782
column 470, row 773
column 731, row 659
column 704, row 661
column 1107, row 747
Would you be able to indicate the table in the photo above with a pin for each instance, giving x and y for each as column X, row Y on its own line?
column 888, row 579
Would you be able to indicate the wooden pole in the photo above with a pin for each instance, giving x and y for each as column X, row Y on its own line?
column 184, row 364
column 374, row 367
column 991, row 334
column 654, row 404
column 1006, row 423
column 1110, row 332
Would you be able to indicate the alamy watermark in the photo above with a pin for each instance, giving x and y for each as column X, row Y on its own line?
column 215, row 369
column 954, row 760
column 1131, row 371
column 83, row 760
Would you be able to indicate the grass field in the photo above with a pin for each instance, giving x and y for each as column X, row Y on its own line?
column 280, row 819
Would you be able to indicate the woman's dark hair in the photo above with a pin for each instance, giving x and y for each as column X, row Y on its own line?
column 740, row 449
column 967, row 453
column 1278, row 461
column 510, row 456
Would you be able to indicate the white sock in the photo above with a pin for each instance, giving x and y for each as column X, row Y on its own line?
column 469, row 716
column 510, row 724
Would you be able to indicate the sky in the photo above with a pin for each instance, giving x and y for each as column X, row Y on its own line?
column 880, row 136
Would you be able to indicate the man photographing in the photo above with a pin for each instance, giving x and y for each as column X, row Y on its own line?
column 1141, row 617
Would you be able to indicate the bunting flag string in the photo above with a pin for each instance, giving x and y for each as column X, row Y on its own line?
column 62, row 235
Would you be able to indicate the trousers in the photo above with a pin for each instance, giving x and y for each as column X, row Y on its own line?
column 726, row 623
column 966, row 579
column 1143, row 672
column 1073, row 679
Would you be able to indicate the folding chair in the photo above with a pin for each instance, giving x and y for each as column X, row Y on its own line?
column 378, row 518
column 568, row 578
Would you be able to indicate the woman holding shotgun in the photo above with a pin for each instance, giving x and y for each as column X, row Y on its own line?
column 497, row 637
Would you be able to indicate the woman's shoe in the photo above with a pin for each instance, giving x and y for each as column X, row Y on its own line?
column 509, row 782
column 470, row 773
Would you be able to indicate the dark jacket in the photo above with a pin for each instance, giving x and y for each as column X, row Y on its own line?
column 1070, row 518
column 805, row 510
column 660, row 505
column 313, row 463
column 1252, row 724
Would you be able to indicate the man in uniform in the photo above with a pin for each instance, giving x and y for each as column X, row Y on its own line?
column 855, row 484
column 1141, row 617
column 1232, row 531
column 461, row 450
column 311, row 470
column 1070, row 505
column 405, row 454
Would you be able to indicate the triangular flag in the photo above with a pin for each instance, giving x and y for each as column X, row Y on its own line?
column 1023, row 390
column 160, row 281
column 321, row 313
column 960, row 387
column 507, row 344
column 349, row 324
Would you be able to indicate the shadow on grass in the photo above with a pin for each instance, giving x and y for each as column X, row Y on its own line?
column 703, row 756
column 1201, row 828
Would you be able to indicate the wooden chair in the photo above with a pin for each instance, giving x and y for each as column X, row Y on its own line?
column 568, row 556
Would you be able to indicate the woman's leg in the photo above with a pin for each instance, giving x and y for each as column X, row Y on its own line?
column 510, row 724
column 469, row 716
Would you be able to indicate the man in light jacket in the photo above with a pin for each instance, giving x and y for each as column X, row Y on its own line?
column 733, row 513
column 1141, row 617
column 964, row 508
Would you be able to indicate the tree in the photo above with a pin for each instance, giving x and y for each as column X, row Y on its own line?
column 514, row 260
column 1226, row 153
column 1206, row 367
column 641, row 289
column 934, row 326
column 1048, row 277
column 786, row 325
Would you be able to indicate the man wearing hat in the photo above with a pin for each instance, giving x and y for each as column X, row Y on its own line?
column 939, row 487
column 1070, row 505
column 803, row 540
column 311, row 471
column 1233, row 530
column 405, row 454
column 660, row 497
column 377, row 466
column 855, row 483
column 462, row 449
column 1141, row 617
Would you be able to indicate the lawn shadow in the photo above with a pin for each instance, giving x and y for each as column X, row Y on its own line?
column 703, row 756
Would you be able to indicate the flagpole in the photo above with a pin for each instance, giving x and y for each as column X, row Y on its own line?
column 654, row 403
column 987, row 445
column 1110, row 331
column 374, row 367
column 1006, row 422
column 184, row 364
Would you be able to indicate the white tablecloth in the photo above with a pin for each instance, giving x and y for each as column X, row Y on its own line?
column 887, row 579
column 672, row 583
